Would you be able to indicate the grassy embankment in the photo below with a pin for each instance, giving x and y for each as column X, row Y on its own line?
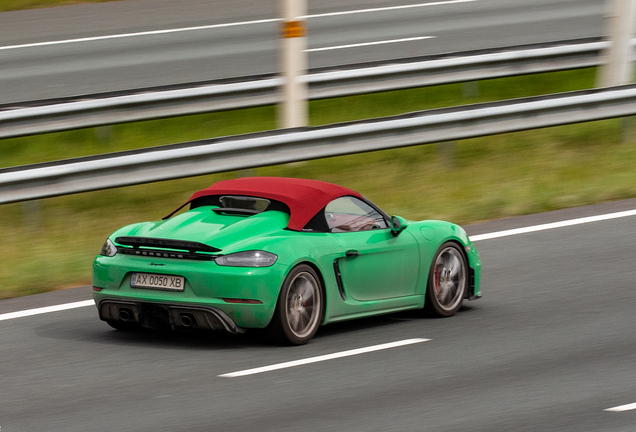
column 13, row 5
column 51, row 243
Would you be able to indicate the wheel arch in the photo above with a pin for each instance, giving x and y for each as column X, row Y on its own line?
column 279, row 328
column 432, row 306
column 439, row 240
column 470, row 289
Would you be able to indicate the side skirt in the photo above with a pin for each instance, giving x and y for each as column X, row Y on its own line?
column 353, row 309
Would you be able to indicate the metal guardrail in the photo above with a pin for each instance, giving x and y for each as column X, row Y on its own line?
column 282, row 146
column 145, row 104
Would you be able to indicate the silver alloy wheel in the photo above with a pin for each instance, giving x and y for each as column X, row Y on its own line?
column 449, row 278
column 303, row 304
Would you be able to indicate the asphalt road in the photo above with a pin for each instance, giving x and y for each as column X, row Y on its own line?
column 550, row 347
column 52, row 53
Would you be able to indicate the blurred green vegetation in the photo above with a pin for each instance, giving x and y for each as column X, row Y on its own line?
column 49, row 244
column 13, row 5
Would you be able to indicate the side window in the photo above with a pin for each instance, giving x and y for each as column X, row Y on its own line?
column 348, row 214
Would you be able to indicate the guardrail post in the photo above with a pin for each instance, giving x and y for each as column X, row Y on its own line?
column 446, row 152
column 618, row 70
column 293, row 33
column 32, row 211
column 470, row 89
column 619, row 28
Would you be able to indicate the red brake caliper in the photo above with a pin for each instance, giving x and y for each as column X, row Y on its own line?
column 436, row 284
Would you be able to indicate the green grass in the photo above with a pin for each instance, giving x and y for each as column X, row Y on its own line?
column 13, row 5
column 50, row 244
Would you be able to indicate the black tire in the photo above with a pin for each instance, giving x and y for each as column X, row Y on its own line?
column 300, row 307
column 447, row 281
column 123, row 325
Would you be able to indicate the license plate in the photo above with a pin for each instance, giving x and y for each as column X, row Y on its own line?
column 157, row 281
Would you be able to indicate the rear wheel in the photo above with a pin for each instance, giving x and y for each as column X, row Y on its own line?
column 300, row 307
column 447, row 281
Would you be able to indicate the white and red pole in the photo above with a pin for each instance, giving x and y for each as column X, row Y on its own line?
column 619, row 28
column 293, row 32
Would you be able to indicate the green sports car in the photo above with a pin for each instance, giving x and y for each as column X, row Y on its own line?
column 280, row 253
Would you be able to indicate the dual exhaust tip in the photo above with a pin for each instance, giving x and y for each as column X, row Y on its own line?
column 126, row 314
column 185, row 319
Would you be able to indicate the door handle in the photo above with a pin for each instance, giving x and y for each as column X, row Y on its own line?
column 352, row 253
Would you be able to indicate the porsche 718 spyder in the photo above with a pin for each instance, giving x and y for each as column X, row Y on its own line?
column 280, row 253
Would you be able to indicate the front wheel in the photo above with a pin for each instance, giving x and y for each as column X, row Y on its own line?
column 300, row 307
column 447, row 281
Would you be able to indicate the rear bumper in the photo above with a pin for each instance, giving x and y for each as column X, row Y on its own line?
column 164, row 315
column 207, row 285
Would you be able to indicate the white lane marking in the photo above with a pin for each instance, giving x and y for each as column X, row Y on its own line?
column 369, row 43
column 146, row 33
column 47, row 309
column 553, row 225
column 387, row 8
column 224, row 25
column 323, row 358
column 621, row 408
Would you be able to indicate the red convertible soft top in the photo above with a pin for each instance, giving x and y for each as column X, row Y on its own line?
column 304, row 198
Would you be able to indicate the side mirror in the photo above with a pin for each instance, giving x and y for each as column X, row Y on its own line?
column 398, row 224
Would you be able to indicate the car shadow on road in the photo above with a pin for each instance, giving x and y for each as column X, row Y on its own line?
column 100, row 333
column 381, row 321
